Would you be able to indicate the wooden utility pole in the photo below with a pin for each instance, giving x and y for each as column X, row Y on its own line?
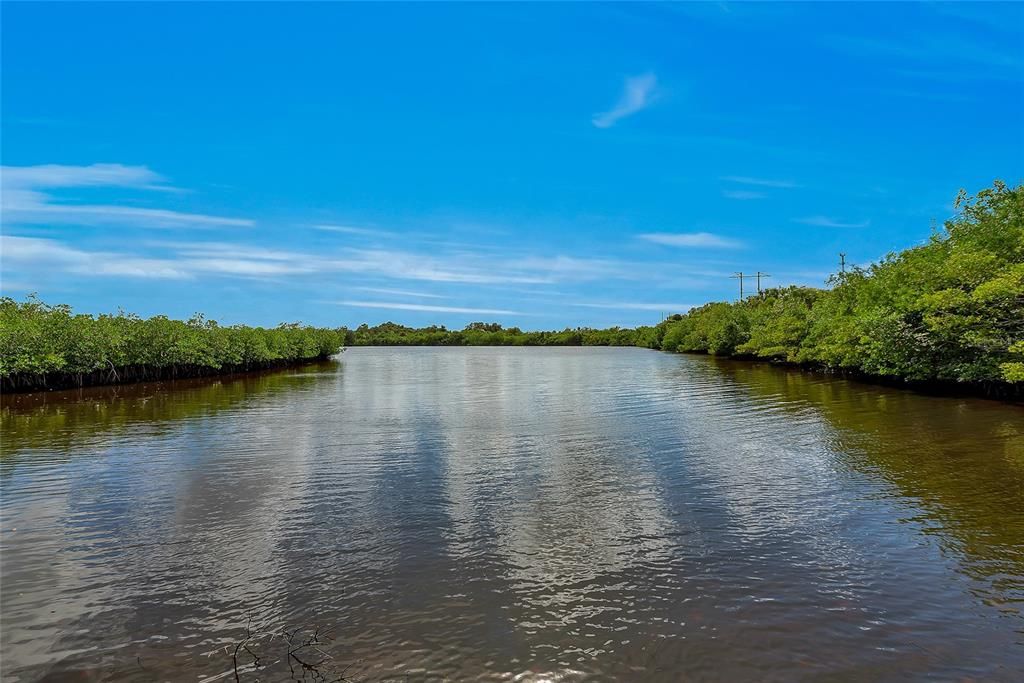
column 759, row 276
column 740, row 276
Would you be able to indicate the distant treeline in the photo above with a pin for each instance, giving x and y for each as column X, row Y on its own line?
column 950, row 310
column 493, row 334
column 49, row 347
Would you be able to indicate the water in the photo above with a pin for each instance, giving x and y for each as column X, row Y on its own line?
column 512, row 514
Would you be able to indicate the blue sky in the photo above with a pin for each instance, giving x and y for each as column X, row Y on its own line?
column 541, row 165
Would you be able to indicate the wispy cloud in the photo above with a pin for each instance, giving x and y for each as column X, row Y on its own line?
column 179, row 260
column 640, row 306
column 24, row 201
column 761, row 182
column 241, row 259
column 39, row 212
column 705, row 240
column 569, row 268
column 35, row 252
column 56, row 175
column 743, row 194
column 235, row 250
column 192, row 259
column 399, row 292
column 400, row 306
column 348, row 230
column 826, row 222
column 459, row 268
column 638, row 93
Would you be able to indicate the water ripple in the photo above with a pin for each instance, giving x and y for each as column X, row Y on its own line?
column 512, row 515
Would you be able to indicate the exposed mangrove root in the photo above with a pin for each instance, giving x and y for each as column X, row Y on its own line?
column 53, row 381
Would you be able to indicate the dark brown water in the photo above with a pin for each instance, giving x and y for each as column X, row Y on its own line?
column 513, row 514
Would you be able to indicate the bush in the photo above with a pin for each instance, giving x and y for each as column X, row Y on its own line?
column 47, row 346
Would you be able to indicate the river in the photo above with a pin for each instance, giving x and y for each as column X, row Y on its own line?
column 533, row 514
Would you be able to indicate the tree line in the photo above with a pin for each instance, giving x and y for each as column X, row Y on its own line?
column 487, row 334
column 48, row 347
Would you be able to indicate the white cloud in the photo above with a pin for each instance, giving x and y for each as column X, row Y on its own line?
column 23, row 201
column 639, row 306
column 42, row 210
column 826, row 222
column 34, row 252
column 561, row 268
column 415, row 266
column 761, row 182
column 37, row 252
column 198, row 258
column 193, row 258
column 348, row 230
column 217, row 250
column 227, row 258
column 693, row 239
column 244, row 267
column 56, row 175
column 116, row 265
column 637, row 94
column 743, row 194
column 423, row 307
column 400, row 292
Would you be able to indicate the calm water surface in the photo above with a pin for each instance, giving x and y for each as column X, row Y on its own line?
column 512, row 514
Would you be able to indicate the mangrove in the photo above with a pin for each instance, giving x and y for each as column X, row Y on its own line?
column 46, row 347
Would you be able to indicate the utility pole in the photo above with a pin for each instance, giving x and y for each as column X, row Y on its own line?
column 759, row 276
column 740, row 276
column 842, row 263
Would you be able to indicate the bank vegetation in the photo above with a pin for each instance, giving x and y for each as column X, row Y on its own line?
column 50, row 347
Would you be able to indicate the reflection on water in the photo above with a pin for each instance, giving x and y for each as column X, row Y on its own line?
column 527, row 514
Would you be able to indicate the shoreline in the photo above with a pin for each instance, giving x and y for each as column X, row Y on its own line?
column 1004, row 392
column 54, row 382
column 61, row 382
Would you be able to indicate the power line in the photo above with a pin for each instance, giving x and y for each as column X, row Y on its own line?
column 759, row 276
column 740, row 276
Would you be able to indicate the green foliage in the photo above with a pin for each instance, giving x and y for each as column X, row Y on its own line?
column 779, row 322
column 37, row 340
column 493, row 334
column 951, row 309
column 716, row 328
